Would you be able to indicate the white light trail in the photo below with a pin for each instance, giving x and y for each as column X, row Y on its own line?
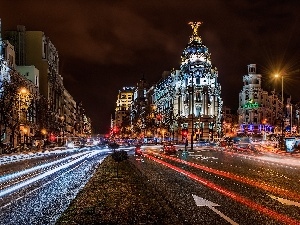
column 50, row 172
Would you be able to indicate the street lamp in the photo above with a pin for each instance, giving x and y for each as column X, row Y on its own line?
column 24, row 99
column 276, row 76
column 43, row 141
column 291, row 115
column 63, row 129
column 25, row 131
column 163, row 135
column 23, row 93
column 192, row 133
column 282, row 108
column 44, row 132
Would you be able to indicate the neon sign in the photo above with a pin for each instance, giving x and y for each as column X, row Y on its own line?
column 251, row 104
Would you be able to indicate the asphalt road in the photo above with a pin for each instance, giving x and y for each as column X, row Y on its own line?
column 205, row 186
column 211, row 186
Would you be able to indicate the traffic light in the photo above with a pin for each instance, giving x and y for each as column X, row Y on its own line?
column 52, row 137
column 115, row 130
column 159, row 117
column 184, row 132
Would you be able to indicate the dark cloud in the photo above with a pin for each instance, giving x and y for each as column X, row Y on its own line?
column 104, row 45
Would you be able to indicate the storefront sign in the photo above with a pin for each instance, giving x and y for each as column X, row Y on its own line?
column 290, row 144
column 251, row 104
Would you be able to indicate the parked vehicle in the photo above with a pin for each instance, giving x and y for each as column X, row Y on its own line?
column 169, row 148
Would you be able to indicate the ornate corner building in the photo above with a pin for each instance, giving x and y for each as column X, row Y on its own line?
column 189, row 99
column 258, row 111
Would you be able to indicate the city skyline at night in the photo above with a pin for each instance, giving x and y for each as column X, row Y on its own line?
column 118, row 43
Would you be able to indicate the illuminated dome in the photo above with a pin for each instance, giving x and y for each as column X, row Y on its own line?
column 194, row 47
column 195, row 51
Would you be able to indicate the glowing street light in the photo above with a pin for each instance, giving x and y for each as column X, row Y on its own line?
column 25, row 135
column 163, row 134
column 44, row 132
column 22, row 98
column 63, row 129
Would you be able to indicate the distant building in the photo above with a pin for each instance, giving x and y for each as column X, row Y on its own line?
column 69, row 115
column 139, row 107
column 123, row 108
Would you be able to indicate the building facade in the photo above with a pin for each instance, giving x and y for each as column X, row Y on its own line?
column 33, row 56
column 139, row 106
column 189, row 99
column 123, row 109
column 258, row 111
column 18, row 101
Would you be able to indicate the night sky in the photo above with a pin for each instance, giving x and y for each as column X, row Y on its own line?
column 105, row 45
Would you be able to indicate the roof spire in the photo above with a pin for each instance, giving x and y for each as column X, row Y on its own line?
column 195, row 26
column 195, row 36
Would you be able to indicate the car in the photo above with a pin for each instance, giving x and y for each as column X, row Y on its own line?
column 169, row 148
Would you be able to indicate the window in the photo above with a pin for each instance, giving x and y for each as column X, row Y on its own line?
column 198, row 97
column 44, row 54
column 36, row 80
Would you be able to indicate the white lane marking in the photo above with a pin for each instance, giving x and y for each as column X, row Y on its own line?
column 285, row 201
column 204, row 202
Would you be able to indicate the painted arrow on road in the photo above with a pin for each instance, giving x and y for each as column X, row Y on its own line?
column 204, row 202
column 285, row 201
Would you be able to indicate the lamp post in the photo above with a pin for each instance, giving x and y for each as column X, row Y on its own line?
column 163, row 135
column 278, row 75
column 25, row 131
column 297, row 116
column 23, row 104
column 22, row 99
column 290, row 106
column 192, row 133
column 63, row 129
column 44, row 133
column 291, row 118
column 282, row 108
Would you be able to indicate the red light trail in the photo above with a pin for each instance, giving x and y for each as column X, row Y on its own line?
column 258, row 184
column 253, row 205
